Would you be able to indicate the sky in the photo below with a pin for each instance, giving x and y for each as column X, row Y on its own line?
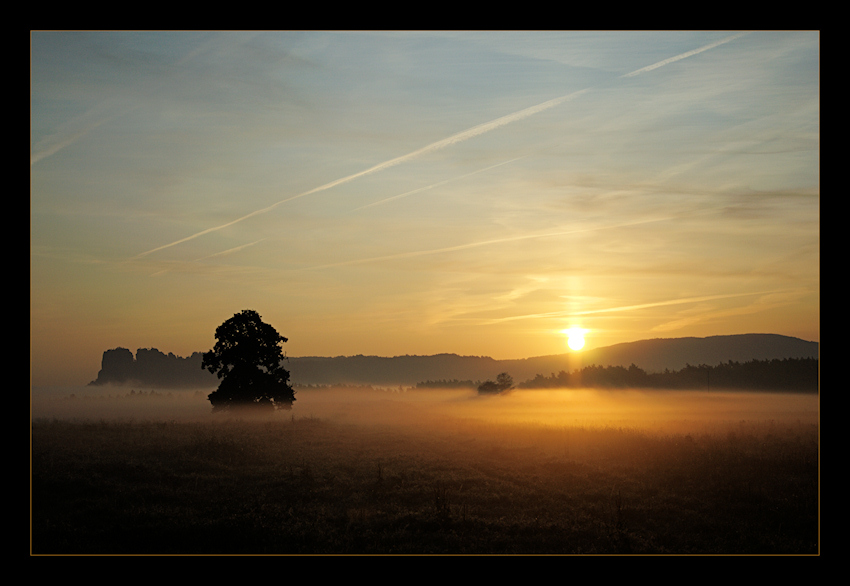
column 392, row 193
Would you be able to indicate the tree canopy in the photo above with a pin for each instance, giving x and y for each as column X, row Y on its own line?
column 247, row 358
column 503, row 383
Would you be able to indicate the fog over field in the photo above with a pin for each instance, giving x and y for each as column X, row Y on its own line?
column 667, row 411
column 383, row 471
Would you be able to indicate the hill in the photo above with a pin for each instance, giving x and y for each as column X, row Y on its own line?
column 651, row 355
column 659, row 354
column 676, row 353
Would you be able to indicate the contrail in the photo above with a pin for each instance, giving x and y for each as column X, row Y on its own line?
column 672, row 302
column 434, row 146
column 416, row 253
column 63, row 138
column 230, row 250
column 436, row 184
column 42, row 152
column 682, row 56
column 215, row 254
column 565, row 313
column 440, row 144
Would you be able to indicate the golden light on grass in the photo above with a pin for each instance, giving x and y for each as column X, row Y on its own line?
column 575, row 337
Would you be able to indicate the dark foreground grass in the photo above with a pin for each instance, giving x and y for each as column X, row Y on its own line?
column 309, row 486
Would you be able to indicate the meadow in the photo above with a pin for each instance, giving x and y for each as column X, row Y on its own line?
column 370, row 471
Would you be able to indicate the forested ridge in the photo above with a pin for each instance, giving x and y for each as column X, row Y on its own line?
column 788, row 374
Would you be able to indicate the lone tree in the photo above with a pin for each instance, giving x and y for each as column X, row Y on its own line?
column 247, row 359
column 502, row 384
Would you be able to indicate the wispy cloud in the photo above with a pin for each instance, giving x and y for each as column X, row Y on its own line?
column 627, row 308
column 767, row 300
column 416, row 253
column 109, row 109
column 438, row 184
column 435, row 146
column 230, row 250
column 72, row 132
column 669, row 302
column 215, row 254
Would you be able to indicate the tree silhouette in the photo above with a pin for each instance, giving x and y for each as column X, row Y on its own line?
column 503, row 383
column 246, row 358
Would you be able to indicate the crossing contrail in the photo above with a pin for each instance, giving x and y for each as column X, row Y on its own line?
column 68, row 135
column 215, row 254
column 434, row 146
column 517, row 238
column 230, row 250
column 440, row 144
column 683, row 300
column 379, row 202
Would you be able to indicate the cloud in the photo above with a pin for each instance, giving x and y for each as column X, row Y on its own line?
column 213, row 255
column 68, row 135
column 382, row 201
column 669, row 302
column 230, row 250
column 109, row 109
column 468, row 245
column 625, row 308
column 769, row 300
column 440, row 144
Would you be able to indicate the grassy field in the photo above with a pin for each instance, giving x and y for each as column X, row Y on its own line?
column 416, row 476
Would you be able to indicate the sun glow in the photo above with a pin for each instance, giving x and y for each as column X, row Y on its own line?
column 575, row 337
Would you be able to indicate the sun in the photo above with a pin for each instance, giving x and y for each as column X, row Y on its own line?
column 575, row 337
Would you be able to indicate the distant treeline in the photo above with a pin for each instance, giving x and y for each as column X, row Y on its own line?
column 447, row 384
column 349, row 387
column 789, row 374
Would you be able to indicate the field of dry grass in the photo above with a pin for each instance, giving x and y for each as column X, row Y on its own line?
column 385, row 473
